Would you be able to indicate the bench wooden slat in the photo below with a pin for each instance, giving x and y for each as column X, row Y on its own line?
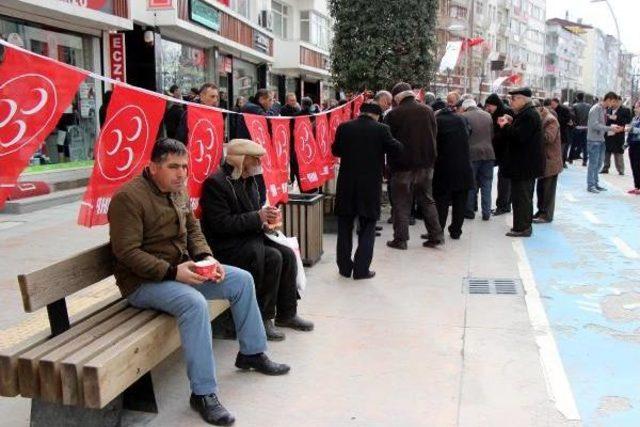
column 28, row 378
column 66, row 277
column 113, row 370
column 71, row 366
column 49, row 366
column 9, row 385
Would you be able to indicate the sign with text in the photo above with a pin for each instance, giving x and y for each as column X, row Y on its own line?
column 205, row 14
column 117, row 57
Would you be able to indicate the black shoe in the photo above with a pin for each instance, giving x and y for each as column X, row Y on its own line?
column 397, row 244
column 486, row 217
column 432, row 243
column 584, row 163
column 455, row 236
column 525, row 233
column 344, row 274
column 497, row 212
column 211, row 410
column 378, row 234
column 390, row 220
column 541, row 220
column 536, row 215
column 604, row 171
column 261, row 363
column 379, row 228
column 273, row 333
column 295, row 322
column 621, row 173
column 370, row 275
column 600, row 188
column 412, row 221
column 469, row 215
column 424, row 236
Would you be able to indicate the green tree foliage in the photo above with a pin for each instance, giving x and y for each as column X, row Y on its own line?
column 380, row 42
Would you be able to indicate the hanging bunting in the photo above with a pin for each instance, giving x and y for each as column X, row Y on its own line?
column 123, row 149
column 357, row 103
column 259, row 130
column 324, row 147
column 34, row 92
column 206, row 136
column 309, row 160
column 281, row 140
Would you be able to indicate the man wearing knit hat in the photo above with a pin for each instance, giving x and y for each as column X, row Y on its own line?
column 414, row 125
column 234, row 224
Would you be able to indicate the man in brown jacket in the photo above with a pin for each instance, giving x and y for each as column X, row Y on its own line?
column 414, row 125
column 546, row 185
column 156, row 240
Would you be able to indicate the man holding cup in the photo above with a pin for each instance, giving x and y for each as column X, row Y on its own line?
column 234, row 224
column 157, row 242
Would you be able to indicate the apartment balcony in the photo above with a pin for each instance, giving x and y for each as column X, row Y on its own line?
column 297, row 57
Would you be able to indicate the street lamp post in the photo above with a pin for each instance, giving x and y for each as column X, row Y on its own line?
column 615, row 21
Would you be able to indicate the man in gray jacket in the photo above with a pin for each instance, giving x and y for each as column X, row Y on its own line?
column 482, row 157
column 596, row 131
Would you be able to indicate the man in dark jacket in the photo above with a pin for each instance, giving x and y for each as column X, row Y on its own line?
column 564, row 119
column 579, row 144
column 614, row 142
column 414, row 125
column 174, row 113
column 210, row 96
column 361, row 145
column 526, row 158
column 291, row 107
column 234, row 224
column 453, row 174
column 497, row 109
column 156, row 240
column 259, row 105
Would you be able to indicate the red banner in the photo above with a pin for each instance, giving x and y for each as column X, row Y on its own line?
column 324, row 147
column 34, row 93
column 335, row 118
column 357, row 103
column 281, row 139
column 206, row 136
column 259, row 130
column 123, row 149
column 346, row 111
column 309, row 160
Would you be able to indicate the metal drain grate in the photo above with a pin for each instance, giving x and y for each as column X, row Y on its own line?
column 477, row 286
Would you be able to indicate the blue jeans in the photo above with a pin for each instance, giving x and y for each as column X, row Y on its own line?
column 188, row 304
column 483, row 180
column 596, row 151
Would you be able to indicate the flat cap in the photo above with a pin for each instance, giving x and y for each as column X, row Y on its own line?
column 524, row 91
column 245, row 147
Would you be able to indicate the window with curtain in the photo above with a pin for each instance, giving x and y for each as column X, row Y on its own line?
column 280, row 13
column 315, row 29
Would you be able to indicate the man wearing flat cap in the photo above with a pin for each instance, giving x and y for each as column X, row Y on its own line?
column 361, row 145
column 234, row 223
column 525, row 158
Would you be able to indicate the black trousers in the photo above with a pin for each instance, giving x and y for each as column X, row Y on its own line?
column 278, row 295
column 522, row 200
column 634, row 159
column 503, row 201
column 546, row 194
column 361, row 262
column 457, row 200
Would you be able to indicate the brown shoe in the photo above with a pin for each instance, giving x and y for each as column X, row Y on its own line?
column 397, row 244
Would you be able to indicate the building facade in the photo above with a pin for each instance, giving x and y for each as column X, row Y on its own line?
column 565, row 46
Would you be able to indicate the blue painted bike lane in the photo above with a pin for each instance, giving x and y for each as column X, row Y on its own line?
column 587, row 272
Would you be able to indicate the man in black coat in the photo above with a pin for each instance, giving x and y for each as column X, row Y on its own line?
column 564, row 118
column 234, row 223
column 614, row 144
column 453, row 174
column 525, row 160
column 497, row 109
column 361, row 145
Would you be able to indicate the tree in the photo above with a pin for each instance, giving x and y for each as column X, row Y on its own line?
column 378, row 43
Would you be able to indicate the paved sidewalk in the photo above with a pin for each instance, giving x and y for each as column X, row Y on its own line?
column 406, row 348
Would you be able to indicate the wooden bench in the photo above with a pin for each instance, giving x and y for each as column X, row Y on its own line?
column 86, row 373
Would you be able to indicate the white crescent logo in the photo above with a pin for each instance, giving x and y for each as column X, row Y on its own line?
column 45, row 91
column 202, row 149
column 307, row 148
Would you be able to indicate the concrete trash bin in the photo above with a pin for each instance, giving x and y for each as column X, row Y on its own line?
column 303, row 218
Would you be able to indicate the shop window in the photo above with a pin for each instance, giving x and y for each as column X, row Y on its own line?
column 183, row 65
column 280, row 13
column 74, row 136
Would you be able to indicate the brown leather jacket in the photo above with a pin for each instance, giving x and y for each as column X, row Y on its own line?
column 151, row 232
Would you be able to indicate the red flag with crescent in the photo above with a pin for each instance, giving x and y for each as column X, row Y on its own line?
column 307, row 153
column 259, row 130
column 206, row 136
column 34, row 92
column 122, row 150
column 281, row 140
column 323, row 138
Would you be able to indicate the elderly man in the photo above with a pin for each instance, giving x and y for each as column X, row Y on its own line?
column 453, row 98
column 384, row 99
column 361, row 145
column 525, row 158
column 414, row 125
column 546, row 186
column 482, row 157
column 155, row 239
column 234, row 223
column 291, row 106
